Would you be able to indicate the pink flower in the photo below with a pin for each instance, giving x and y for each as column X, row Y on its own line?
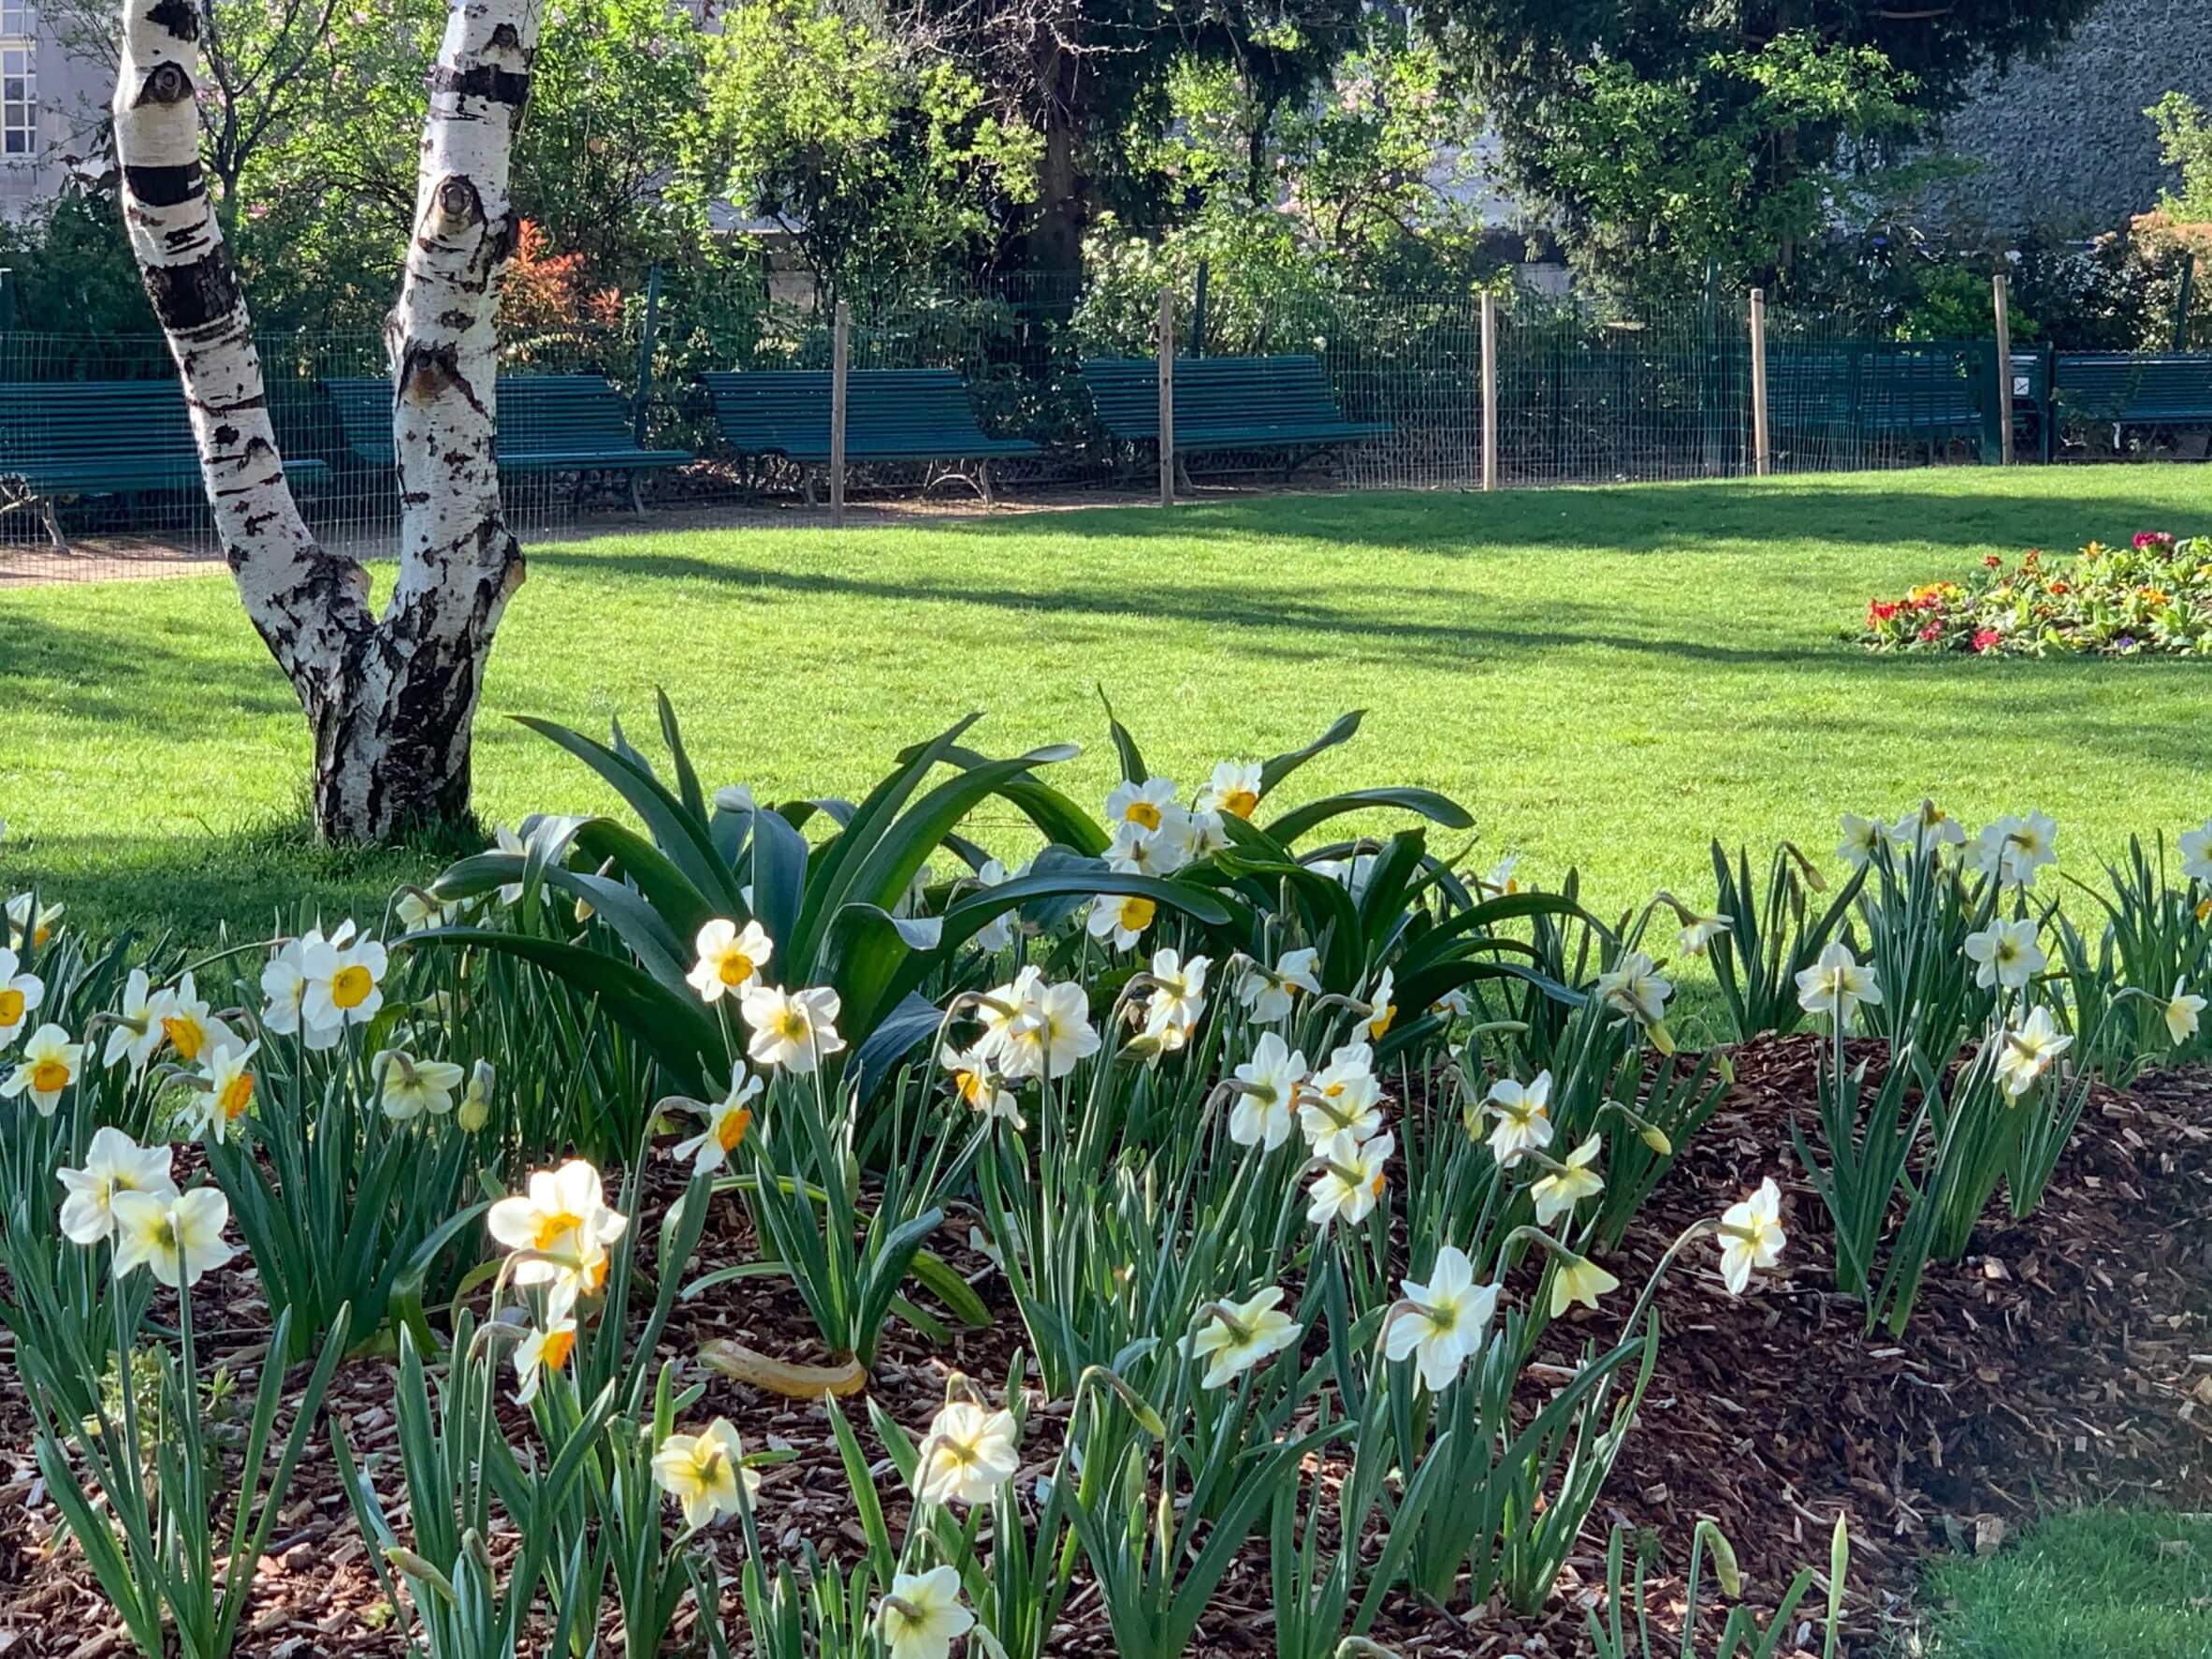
column 1986, row 639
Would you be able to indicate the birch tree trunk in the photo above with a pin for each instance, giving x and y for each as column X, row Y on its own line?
column 390, row 700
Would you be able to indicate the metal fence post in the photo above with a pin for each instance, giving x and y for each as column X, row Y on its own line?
column 647, row 337
column 1167, row 396
column 1489, row 389
column 1762, row 454
column 2182, row 299
column 839, row 352
column 2000, row 297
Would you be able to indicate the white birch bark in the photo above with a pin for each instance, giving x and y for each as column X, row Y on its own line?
column 390, row 700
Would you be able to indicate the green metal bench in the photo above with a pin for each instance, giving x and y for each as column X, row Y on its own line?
column 1228, row 403
column 1872, row 392
column 100, row 437
column 548, row 423
column 891, row 414
column 2122, row 389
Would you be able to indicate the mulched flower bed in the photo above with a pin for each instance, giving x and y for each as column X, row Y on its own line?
column 2067, row 1360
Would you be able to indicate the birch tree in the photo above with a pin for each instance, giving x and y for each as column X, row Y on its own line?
column 389, row 699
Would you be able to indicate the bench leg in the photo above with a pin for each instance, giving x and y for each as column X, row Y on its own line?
column 806, row 483
column 984, row 481
column 636, row 500
column 54, row 524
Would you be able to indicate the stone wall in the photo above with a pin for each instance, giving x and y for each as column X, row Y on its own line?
column 2063, row 145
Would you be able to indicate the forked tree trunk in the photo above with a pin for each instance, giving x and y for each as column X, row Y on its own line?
column 390, row 700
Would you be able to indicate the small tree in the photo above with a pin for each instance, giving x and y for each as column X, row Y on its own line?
column 389, row 699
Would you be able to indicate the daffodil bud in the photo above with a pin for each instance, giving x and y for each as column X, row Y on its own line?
column 1657, row 1140
column 1724, row 1560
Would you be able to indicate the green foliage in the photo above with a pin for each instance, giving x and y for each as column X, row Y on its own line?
column 2099, row 1582
column 2185, row 142
column 2152, row 596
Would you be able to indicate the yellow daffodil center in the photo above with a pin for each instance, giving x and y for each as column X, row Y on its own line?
column 351, row 984
column 11, row 1006
column 49, row 1077
column 1137, row 914
column 972, row 1087
column 40, row 934
column 1143, row 812
column 729, row 1128
column 736, row 967
column 554, row 1351
column 1381, row 1022
column 186, row 1035
column 791, row 1024
column 238, row 1094
column 1238, row 803
column 553, row 1225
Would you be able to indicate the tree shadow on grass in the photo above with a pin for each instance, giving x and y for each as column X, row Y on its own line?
column 96, row 676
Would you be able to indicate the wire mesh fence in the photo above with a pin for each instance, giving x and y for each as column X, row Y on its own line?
column 696, row 412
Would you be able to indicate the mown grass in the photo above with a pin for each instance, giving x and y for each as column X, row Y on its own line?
column 1607, row 677
column 2102, row 1584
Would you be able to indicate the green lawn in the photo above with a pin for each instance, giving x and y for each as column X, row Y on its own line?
column 2103, row 1584
column 1606, row 678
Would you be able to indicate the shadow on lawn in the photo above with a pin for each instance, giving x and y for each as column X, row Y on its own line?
column 101, row 676
column 1643, row 518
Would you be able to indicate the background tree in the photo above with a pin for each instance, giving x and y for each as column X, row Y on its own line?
column 390, row 699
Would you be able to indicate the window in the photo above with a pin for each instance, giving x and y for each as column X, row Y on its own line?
column 17, row 21
column 18, row 98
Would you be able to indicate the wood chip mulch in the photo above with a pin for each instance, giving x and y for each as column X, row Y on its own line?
column 2068, row 1359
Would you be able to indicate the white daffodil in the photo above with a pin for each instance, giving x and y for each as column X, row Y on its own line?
column 705, row 1472
column 795, row 1031
column 724, row 1126
column 1121, row 918
column 1262, row 1116
column 2014, row 849
column 188, row 1027
column 921, row 1617
column 967, row 1455
column 1752, row 1236
column 1861, row 836
column 1049, row 1031
column 1455, row 1004
column 2005, row 954
column 138, row 1028
column 1557, row 1191
column 416, row 911
column 1207, row 834
column 1381, row 1008
column 1928, row 827
column 113, row 1163
column 346, row 987
column 177, row 1237
column 1146, row 804
column 1267, row 995
column 2181, row 1011
column 285, row 981
column 1178, row 996
column 2025, row 1053
column 410, row 1087
column 1523, row 1111
column 1234, row 788
column 730, row 958
column 1501, row 881
column 2196, row 854
column 1700, row 930
column 1578, row 1280
column 1441, row 1324
column 1344, row 1095
column 1836, row 983
column 38, row 925
column 50, row 1064
column 562, row 1228
column 1136, row 850
column 1351, row 1180
column 19, row 995
column 997, row 933
column 977, row 1081
column 543, row 1349
column 225, row 1094
column 1634, row 987
column 1235, row 1336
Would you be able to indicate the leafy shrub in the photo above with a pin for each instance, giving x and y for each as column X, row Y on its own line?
column 2153, row 597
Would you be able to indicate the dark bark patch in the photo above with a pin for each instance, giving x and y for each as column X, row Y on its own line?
column 164, row 186
column 487, row 81
column 166, row 84
column 193, row 296
column 226, row 435
column 506, row 38
column 455, row 320
column 181, row 18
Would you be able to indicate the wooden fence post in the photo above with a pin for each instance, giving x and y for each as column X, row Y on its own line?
column 1167, row 396
column 839, row 356
column 2001, row 295
column 1490, row 390
column 1762, row 452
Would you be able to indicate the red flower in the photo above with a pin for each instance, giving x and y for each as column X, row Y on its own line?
column 1880, row 610
column 2059, row 585
column 1985, row 638
column 1932, row 632
column 1992, row 560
